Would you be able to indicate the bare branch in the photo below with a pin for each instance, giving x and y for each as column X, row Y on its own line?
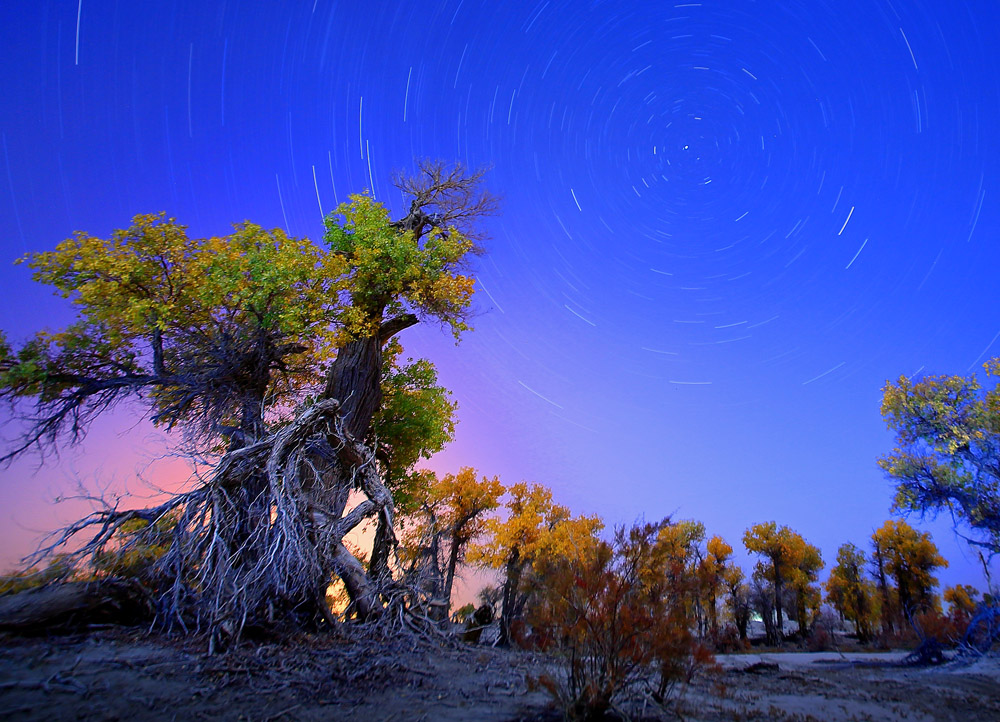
column 445, row 197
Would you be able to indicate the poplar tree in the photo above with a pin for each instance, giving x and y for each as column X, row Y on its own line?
column 268, row 353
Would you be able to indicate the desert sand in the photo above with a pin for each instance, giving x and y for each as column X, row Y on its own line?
column 114, row 675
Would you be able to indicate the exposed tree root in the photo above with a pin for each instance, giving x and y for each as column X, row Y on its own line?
column 257, row 543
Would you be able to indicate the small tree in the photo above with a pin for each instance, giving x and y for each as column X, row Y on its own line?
column 762, row 598
column 888, row 603
column 534, row 528
column 963, row 603
column 909, row 557
column 962, row 600
column 738, row 598
column 681, row 543
column 787, row 560
column 802, row 582
column 851, row 593
column 776, row 546
column 453, row 515
column 712, row 573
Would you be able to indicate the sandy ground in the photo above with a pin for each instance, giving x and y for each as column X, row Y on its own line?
column 832, row 686
column 118, row 676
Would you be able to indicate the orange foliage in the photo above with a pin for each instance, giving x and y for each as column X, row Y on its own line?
column 910, row 558
column 611, row 616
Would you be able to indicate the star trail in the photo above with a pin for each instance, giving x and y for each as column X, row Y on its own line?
column 724, row 224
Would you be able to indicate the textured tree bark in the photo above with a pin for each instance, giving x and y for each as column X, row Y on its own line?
column 906, row 606
column 762, row 601
column 364, row 596
column 355, row 376
column 883, row 586
column 449, row 579
column 378, row 567
column 510, row 586
column 355, row 380
column 742, row 621
column 433, row 557
column 800, row 613
column 860, row 612
column 780, row 626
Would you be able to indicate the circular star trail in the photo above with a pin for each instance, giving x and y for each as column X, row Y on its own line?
column 725, row 224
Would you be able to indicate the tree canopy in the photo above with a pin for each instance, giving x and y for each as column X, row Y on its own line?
column 851, row 593
column 787, row 559
column 214, row 333
column 535, row 528
column 415, row 420
column 452, row 514
column 211, row 331
column 910, row 558
column 947, row 455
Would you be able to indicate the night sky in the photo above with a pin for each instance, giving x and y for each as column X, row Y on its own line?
column 725, row 224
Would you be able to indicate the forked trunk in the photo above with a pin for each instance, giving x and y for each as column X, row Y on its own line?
column 364, row 596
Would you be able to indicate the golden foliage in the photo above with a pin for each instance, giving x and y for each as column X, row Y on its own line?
column 388, row 271
column 910, row 558
column 534, row 526
column 851, row 593
column 947, row 454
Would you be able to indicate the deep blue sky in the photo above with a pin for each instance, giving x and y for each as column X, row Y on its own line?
column 725, row 223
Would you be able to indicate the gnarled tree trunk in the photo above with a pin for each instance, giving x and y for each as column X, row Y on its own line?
column 354, row 380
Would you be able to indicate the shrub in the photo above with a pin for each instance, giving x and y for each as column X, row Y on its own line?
column 460, row 615
column 616, row 618
column 729, row 640
column 946, row 630
column 823, row 635
column 60, row 568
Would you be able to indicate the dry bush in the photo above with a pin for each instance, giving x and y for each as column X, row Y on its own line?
column 947, row 630
column 617, row 621
column 728, row 640
column 820, row 639
column 822, row 636
column 60, row 567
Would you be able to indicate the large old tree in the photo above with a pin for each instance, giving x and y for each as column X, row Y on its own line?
column 268, row 353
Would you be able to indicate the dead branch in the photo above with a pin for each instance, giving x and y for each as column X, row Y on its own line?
column 445, row 197
column 68, row 605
